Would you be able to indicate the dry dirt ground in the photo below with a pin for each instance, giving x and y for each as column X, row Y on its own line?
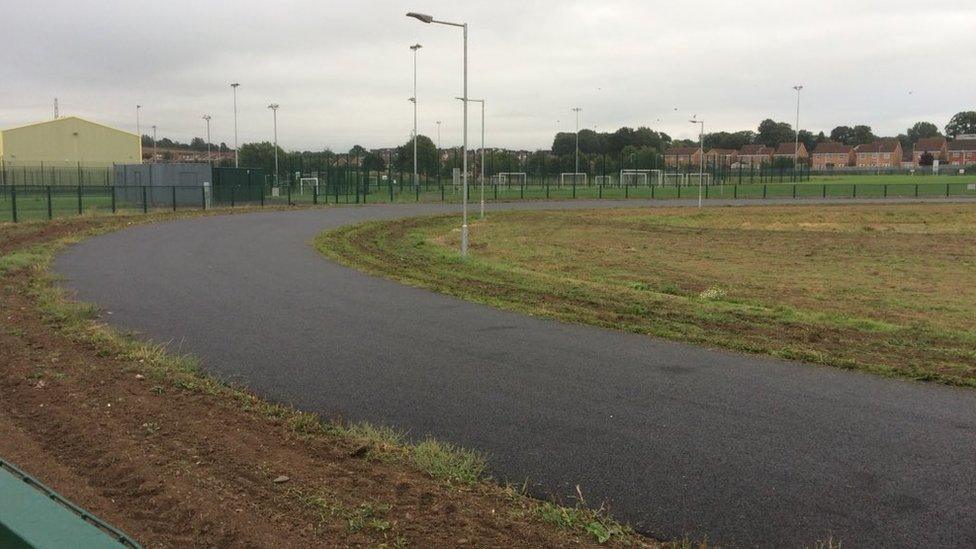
column 176, row 460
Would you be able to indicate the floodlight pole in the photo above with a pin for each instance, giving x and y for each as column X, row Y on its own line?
column 274, row 110
column 209, row 158
column 482, row 101
column 416, row 180
column 701, row 157
column 139, row 131
column 236, row 154
column 576, row 170
column 464, row 146
column 796, row 144
column 154, row 144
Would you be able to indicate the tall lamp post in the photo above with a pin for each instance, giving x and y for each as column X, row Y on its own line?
column 139, row 131
column 576, row 169
column 482, row 101
column 236, row 155
column 423, row 18
column 154, row 143
column 274, row 112
column 701, row 156
column 796, row 144
column 209, row 158
column 416, row 179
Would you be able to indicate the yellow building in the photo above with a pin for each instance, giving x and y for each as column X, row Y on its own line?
column 69, row 141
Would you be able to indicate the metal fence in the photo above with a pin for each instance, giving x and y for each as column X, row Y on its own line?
column 39, row 202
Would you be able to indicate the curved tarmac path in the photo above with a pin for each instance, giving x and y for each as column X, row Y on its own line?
column 748, row 450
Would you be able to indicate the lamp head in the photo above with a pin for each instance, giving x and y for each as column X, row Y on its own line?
column 415, row 47
column 234, row 85
column 424, row 18
column 273, row 106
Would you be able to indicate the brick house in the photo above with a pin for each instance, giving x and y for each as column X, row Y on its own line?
column 962, row 152
column 755, row 155
column 885, row 153
column 938, row 147
column 682, row 156
column 786, row 150
column 721, row 157
column 829, row 154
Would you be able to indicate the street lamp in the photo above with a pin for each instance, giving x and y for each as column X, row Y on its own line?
column 482, row 101
column 416, row 179
column 274, row 111
column 796, row 144
column 701, row 156
column 154, row 143
column 464, row 147
column 577, row 111
column 236, row 155
column 209, row 158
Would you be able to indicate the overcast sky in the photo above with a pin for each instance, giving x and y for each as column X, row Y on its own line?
column 342, row 71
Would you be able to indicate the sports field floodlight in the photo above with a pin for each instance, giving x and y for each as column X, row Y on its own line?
column 207, row 118
column 482, row 101
column 464, row 146
column 701, row 156
column 274, row 110
column 796, row 144
column 577, row 111
column 138, row 127
column 416, row 178
column 236, row 156
column 154, row 144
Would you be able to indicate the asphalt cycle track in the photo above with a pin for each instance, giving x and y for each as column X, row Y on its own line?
column 679, row 440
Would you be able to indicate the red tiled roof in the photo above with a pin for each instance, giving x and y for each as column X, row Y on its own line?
column 788, row 148
column 681, row 151
column 831, row 147
column 752, row 150
column 963, row 145
column 884, row 146
column 930, row 144
column 721, row 151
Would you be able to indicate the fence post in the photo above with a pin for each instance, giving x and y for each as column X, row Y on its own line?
column 824, row 191
column 764, row 188
column 854, row 190
column 735, row 188
column 574, row 185
column 203, row 197
column 794, row 191
column 884, row 193
column 947, row 190
column 916, row 190
column 13, row 202
column 113, row 199
column 416, row 193
column 174, row 197
column 50, row 210
column 145, row 202
column 289, row 194
column 79, row 200
column 523, row 190
column 315, row 196
column 233, row 195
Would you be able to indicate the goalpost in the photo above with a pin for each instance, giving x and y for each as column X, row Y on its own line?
column 686, row 179
column 569, row 178
column 641, row 177
column 605, row 180
column 510, row 179
column 313, row 182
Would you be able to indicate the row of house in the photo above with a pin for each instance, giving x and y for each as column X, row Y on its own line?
column 883, row 153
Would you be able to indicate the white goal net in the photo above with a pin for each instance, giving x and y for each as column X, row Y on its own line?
column 641, row 177
column 510, row 179
column 686, row 179
column 569, row 179
column 311, row 182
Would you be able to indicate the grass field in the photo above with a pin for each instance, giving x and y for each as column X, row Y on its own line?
column 887, row 289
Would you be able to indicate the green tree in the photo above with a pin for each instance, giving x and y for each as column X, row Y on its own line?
column 260, row 155
column 862, row 135
column 922, row 130
column 374, row 161
column 357, row 150
column 960, row 123
column 426, row 156
column 772, row 133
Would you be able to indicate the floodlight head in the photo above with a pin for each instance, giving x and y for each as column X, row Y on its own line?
column 421, row 17
column 412, row 99
column 797, row 88
column 415, row 47
column 234, row 85
column 206, row 117
column 273, row 106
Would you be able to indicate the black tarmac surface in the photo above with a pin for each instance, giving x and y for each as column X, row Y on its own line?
column 680, row 440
